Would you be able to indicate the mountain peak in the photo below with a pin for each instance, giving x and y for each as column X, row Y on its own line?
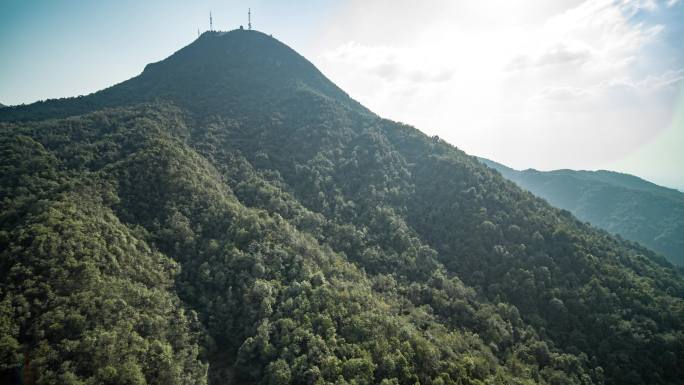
column 238, row 47
column 218, row 73
column 240, row 64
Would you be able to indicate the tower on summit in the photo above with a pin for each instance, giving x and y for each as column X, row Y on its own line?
column 211, row 22
column 249, row 18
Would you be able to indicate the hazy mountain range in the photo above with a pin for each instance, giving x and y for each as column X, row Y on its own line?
column 231, row 216
column 620, row 203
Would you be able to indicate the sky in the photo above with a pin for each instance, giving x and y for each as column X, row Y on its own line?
column 580, row 84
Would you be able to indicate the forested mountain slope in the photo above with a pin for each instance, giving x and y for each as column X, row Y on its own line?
column 231, row 216
column 619, row 203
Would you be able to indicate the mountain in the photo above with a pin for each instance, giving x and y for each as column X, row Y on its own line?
column 263, row 72
column 619, row 203
column 231, row 216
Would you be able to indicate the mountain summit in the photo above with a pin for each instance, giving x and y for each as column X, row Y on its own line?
column 231, row 216
column 220, row 72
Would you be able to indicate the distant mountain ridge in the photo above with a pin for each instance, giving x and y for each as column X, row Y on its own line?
column 621, row 203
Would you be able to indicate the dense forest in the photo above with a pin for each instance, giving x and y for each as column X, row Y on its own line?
column 230, row 216
column 619, row 203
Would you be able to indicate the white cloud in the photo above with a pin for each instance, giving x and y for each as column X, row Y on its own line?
column 390, row 63
column 671, row 78
column 565, row 84
column 562, row 93
column 561, row 54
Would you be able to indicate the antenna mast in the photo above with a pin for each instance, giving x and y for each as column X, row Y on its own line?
column 249, row 18
column 211, row 22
